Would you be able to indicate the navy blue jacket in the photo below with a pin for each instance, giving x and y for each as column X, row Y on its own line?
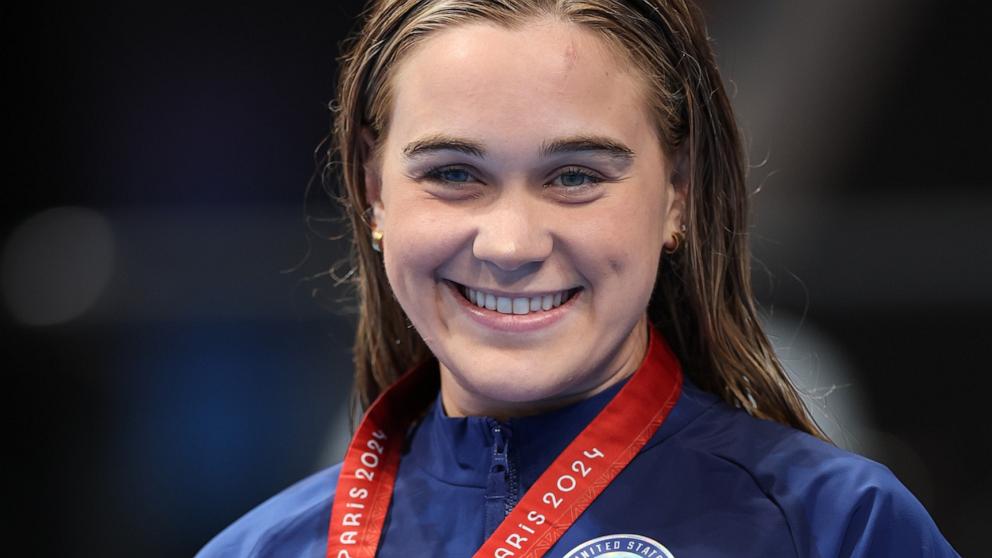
column 712, row 482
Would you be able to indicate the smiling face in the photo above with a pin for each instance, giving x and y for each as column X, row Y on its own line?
column 522, row 164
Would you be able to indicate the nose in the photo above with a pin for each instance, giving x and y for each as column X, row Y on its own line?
column 512, row 235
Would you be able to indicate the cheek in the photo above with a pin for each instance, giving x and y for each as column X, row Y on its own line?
column 418, row 240
column 621, row 249
column 626, row 241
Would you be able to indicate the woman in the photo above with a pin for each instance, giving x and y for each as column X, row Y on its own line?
column 549, row 209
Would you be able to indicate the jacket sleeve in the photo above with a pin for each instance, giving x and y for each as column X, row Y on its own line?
column 885, row 519
column 291, row 523
column 842, row 505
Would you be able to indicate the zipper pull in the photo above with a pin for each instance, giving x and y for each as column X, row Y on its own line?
column 497, row 485
column 499, row 450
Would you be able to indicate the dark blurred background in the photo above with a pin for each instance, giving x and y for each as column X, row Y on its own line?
column 176, row 351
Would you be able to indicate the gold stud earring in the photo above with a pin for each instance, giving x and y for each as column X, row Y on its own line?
column 377, row 240
column 678, row 237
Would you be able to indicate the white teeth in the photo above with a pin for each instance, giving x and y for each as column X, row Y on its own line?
column 518, row 305
column 504, row 305
column 521, row 305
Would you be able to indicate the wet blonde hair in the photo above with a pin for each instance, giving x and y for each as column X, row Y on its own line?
column 702, row 302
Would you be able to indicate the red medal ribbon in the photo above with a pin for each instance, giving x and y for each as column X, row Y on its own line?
column 575, row 478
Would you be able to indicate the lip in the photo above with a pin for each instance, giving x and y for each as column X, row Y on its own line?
column 512, row 323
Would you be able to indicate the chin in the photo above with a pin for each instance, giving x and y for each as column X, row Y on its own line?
column 517, row 388
column 503, row 386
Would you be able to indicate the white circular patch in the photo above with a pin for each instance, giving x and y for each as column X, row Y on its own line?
column 620, row 546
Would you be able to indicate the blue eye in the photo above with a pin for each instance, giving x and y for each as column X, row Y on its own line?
column 449, row 175
column 572, row 178
column 454, row 175
column 575, row 178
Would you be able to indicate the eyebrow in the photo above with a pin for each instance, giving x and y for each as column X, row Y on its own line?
column 442, row 142
column 597, row 144
column 571, row 144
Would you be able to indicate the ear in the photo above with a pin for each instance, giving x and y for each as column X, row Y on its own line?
column 678, row 190
column 371, row 167
column 679, row 172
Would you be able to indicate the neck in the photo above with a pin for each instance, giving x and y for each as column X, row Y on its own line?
column 460, row 400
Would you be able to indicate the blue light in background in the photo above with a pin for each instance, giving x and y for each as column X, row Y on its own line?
column 226, row 412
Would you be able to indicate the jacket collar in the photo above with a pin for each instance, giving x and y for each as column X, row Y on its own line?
column 459, row 450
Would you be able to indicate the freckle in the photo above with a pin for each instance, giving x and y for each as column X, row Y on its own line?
column 616, row 266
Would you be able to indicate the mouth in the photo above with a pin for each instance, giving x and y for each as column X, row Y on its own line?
column 519, row 304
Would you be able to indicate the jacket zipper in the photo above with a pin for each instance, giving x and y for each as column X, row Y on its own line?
column 503, row 486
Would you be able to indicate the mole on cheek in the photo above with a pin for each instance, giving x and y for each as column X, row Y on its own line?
column 616, row 266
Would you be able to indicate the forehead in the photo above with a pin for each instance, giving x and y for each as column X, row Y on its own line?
column 510, row 86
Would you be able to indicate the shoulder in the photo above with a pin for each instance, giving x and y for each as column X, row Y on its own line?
column 836, row 503
column 294, row 519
